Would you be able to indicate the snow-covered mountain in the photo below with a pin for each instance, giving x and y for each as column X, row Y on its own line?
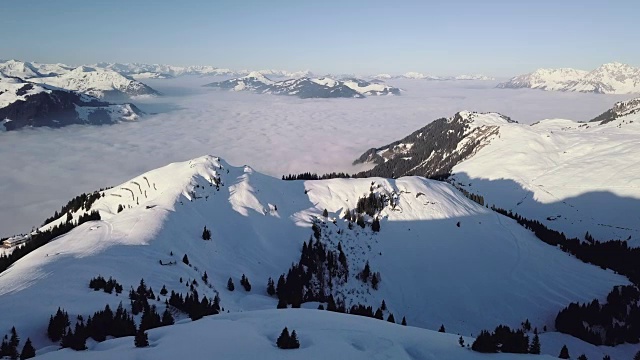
column 620, row 109
column 421, row 76
column 160, row 71
column 305, row 87
column 439, row 258
column 553, row 171
column 610, row 78
column 98, row 82
column 24, row 103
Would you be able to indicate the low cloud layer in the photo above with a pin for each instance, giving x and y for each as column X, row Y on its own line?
column 44, row 168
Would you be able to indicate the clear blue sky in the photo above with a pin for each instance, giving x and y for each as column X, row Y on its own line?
column 499, row 38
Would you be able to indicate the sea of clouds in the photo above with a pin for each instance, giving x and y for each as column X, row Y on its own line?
column 43, row 168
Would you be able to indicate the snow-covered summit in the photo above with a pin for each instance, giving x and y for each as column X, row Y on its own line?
column 431, row 236
column 98, row 82
column 19, row 69
column 610, row 78
column 24, row 103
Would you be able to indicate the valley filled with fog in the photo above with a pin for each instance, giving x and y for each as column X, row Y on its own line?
column 273, row 134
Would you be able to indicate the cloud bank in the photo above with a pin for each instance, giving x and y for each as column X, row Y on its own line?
column 44, row 168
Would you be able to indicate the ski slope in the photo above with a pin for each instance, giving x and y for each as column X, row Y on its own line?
column 487, row 271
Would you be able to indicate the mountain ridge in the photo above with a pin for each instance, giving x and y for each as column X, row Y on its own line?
column 609, row 78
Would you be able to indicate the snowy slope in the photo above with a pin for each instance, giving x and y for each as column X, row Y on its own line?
column 27, row 104
column 323, row 335
column 484, row 272
column 98, row 82
column 553, row 171
column 610, row 78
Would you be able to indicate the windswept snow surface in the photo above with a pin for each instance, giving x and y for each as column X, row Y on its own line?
column 485, row 272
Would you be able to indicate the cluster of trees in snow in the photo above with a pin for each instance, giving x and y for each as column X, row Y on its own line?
column 613, row 323
column 286, row 341
column 10, row 345
column 40, row 238
column 506, row 340
column 314, row 176
column 82, row 201
column 99, row 283
column 99, row 326
column 613, row 254
column 312, row 278
column 107, row 323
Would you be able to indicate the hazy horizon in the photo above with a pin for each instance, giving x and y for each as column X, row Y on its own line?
column 498, row 38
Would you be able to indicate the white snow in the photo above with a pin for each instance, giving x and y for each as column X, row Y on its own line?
column 485, row 272
column 610, row 78
column 9, row 88
column 96, row 82
column 556, row 170
column 322, row 334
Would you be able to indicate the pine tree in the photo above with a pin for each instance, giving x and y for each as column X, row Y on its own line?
column 564, row 353
column 441, row 328
column 163, row 291
column 14, row 341
column 141, row 339
column 230, row 285
column 5, row 349
column 28, row 351
column 167, row 318
column 404, row 321
column 607, row 357
column 375, row 225
column 185, row 259
column 379, row 315
column 461, row 341
column 375, row 280
column 535, row 345
column 582, row 357
column 244, row 281
column 294, row 343
column 271, row 289
column 205, row 278
column 283, row 339
column 325, row 213
column 637, row 357
column 391, row 319
column 485, row 343
column 206, row 234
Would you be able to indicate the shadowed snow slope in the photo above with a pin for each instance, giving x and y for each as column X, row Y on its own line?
column 486, row 271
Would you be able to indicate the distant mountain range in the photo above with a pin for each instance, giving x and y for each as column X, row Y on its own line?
column 25, row 103
column 158, row 71
column 306, row 87
column 420, row 76
column 611, row 78
column 97, row 82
